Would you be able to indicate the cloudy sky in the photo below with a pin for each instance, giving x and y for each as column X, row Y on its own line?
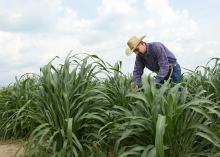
column 32, row 32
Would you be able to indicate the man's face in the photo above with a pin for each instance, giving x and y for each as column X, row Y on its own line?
column 141, row 48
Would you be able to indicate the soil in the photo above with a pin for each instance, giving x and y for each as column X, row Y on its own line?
column 11, row 148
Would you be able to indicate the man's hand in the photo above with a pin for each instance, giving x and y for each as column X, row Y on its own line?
column 134, row 86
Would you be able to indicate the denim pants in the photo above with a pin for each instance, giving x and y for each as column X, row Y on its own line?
column 176, row 74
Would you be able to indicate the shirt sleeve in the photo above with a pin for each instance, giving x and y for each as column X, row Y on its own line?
column 162, row 62
column 138, row 70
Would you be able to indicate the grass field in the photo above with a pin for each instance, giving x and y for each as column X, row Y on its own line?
column 86, row 107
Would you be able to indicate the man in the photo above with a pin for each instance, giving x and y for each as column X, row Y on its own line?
column 156, row 57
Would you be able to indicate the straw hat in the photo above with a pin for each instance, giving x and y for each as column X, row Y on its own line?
column 133, row 43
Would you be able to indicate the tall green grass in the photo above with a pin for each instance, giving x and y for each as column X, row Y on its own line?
column 16, row 100
column 86, row 107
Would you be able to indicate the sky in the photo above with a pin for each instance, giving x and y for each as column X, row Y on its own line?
column 33, row 32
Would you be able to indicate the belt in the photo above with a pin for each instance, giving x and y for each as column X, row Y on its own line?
column 173, row 65
column 170, row 66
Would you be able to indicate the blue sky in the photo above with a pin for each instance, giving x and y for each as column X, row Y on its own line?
column 32, row 32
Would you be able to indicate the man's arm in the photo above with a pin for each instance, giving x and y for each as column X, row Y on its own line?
column 162, row 62
column 138, row 71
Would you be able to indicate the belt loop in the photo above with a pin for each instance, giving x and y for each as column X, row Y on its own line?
column 173, row 65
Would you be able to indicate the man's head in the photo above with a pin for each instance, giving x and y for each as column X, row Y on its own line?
column 136, row 45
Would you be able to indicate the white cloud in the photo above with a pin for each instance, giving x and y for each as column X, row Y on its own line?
column 161, row 10
column 9, row 43
column 29, row 15
column 71, row 23
column 122, row 7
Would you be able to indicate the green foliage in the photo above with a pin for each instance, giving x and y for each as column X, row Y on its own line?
column 15, row 102
column 88, row 108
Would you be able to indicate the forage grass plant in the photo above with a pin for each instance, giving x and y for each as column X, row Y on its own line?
column 68, row 109
column 205, row 78
column 164, row 123
column 15, row 102
column 86, row 107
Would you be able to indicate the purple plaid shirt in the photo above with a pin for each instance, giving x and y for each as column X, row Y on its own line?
column 158, row 59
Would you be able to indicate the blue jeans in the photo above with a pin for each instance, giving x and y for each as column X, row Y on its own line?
column 176, row 74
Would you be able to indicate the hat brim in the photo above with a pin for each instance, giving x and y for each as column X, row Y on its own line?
column 129, row 51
